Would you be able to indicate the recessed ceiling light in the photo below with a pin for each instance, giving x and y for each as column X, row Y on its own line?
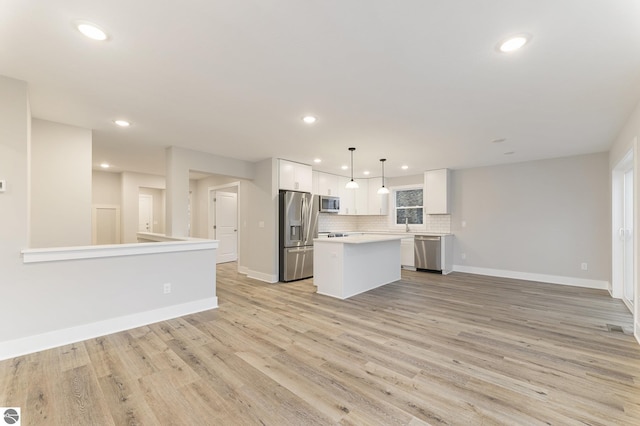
column 366, row 172
column 309, row 119
column 405, row 167
column 317, row 160
column 498, row 140
column 122, row 123
column 105, row 165
column 513, row 43
column 344, row 167
column 91, row 30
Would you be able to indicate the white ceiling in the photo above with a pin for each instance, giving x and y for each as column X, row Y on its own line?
column 418, row 82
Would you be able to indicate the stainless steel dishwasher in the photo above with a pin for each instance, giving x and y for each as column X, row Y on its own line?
column 427, row 253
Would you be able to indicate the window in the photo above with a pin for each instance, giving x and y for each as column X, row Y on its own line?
column 408, row 205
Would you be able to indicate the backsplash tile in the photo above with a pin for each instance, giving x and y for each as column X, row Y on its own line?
column 331, row 222
column 328, row 222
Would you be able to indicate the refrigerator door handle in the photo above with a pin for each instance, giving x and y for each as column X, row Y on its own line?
column 304, row 220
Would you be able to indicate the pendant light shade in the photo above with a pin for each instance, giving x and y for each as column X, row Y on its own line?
column 383, row 190
column 352, row 184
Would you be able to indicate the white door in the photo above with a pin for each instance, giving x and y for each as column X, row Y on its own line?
column 627, row 235
column 226, row 225
column 106, row 225
column 145, row 213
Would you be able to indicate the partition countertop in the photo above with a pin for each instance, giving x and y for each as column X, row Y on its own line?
column 359, row 239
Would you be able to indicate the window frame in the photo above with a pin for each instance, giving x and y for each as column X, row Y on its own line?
column 394, row 214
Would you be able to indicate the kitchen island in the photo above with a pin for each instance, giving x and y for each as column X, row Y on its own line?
column 346, row 266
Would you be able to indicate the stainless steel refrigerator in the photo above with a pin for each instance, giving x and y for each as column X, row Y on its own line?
column 298, row 227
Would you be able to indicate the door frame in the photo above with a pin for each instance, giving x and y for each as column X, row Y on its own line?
column 94, row 221
column 628, row 162
column 150, row 197
column 211, row 213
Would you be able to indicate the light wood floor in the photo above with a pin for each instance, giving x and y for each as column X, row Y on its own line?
column 457, row 349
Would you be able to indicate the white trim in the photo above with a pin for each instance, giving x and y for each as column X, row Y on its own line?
column 392, row 209
column 243, row 270
column 261, row 276
column 238, row 187
column 114, row 250
column 529, row 276
column 44, row 341
column 636, row 333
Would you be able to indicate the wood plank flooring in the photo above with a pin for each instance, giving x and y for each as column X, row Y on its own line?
column 429, row 349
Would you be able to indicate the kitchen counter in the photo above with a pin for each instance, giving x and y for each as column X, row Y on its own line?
column 359, row 239
column 346, row 266
column 410, row 234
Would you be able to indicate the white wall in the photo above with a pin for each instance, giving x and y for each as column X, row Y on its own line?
column 106, row 188
column 541, row 217
column 60, row 185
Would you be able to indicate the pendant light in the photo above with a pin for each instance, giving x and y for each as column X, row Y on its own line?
column 352, row 184
column 383, row 190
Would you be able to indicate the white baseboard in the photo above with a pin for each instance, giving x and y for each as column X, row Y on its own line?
column 528, row 276
column 243, row 270
column 261, row 276
column 52, row 339
column 636, row 331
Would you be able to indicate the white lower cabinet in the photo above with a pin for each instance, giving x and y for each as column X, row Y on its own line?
column 406, row 253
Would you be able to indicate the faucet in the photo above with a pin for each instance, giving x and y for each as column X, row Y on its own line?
column 406, row 224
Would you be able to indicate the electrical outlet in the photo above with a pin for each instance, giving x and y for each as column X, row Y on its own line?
column 584, row 266
column 167, row 288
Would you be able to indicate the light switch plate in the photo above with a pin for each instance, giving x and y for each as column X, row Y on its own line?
column 3, row 185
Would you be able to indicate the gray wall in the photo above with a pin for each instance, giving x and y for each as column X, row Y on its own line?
column 56, row 296
column 15, row 125
column 543, row 217
column 106, row 188
column 262, row 253
column 60, row 185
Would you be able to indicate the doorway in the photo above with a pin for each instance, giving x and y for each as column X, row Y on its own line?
column 145, row 213
column 223, row 221
column 624, row 239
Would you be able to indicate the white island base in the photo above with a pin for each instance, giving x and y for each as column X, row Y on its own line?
column 346, row 266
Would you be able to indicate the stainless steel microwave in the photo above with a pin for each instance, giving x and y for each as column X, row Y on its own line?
column 329, row 204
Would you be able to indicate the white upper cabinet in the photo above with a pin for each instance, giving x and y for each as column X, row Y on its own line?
column 362, row 201
column 378, row 204
column 315, row 176
column 347, row 197
column 327, row 184
column 362, row 197
column 436, row 191
column 295, row 176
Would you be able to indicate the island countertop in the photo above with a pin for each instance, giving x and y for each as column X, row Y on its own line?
column 359, row 239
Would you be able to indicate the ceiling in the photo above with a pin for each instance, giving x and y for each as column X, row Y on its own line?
column 419, row 82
